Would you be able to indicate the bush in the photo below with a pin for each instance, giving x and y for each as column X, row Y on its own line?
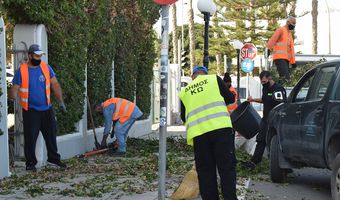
column 91, row 33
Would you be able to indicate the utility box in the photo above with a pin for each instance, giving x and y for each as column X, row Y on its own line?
column 24, row 36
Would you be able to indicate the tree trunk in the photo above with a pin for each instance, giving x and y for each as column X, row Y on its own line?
column 174, row 34
column 292, row 9
column 218, row 56
column 191, row 37
column 315, row 26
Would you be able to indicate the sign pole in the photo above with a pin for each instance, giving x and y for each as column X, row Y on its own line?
column 163, row 101
column 238, row 77
column 164, row 95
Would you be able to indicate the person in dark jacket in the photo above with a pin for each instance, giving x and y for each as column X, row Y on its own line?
column 272, row 95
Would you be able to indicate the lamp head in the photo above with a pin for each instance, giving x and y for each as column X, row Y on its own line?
column 206, row 6
column 237, row 44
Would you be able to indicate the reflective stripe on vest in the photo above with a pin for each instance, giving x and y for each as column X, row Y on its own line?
column 206, row 118
column 284, row 47
column 123, row 111
column 24, row 87
column 205, row 107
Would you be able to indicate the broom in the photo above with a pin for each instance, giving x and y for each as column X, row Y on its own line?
column 189, row 188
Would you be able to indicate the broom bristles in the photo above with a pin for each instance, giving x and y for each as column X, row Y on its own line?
column 189, row 188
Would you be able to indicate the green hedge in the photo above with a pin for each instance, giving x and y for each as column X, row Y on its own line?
column 91, row 33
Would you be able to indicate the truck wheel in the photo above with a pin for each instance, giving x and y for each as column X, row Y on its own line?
column 335, row 179
column 277, row 174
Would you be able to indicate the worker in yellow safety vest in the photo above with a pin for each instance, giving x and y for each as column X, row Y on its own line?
column 204, row 110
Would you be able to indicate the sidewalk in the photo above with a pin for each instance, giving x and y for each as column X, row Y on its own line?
column 103, row 177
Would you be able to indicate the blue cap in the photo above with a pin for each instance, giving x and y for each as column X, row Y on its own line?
column 202, row 68
column 34, row 48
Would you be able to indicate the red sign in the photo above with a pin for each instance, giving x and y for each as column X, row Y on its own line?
column 165, row 2
column 248, row 51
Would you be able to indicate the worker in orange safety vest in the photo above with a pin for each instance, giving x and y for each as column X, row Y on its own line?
column 32, row 82
column 124, row 113
column 282, row 44
column 227, row 82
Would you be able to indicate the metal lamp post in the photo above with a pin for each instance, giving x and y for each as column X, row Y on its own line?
column 237, row 44
column 164, row 95
column 207, row 8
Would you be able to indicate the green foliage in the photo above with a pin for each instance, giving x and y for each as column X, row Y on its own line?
column 104, row 175
column 146, row 54
column 135, row 51
column 244, row 19
column 93, row 33
column 297, row 73
column 100, row 55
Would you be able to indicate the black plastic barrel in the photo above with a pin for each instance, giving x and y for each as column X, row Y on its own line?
column 246, row 120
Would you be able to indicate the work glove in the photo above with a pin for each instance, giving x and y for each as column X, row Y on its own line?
column 294, row 66
column 62, row 107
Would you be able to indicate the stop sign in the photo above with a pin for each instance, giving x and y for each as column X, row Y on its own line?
column 248, row 51
column 164, row 2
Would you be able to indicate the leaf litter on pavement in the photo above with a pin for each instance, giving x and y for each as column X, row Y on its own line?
column 103, row 175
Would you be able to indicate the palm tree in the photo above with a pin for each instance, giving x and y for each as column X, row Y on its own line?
column 191, row 37
column 216, row 36
column 315, row 26
column 174, row 33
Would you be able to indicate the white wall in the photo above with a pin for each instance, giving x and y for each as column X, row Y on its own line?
column 4, row 157
column 78, row 143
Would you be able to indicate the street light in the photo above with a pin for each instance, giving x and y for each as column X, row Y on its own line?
column 237, row 44
column 207, row 8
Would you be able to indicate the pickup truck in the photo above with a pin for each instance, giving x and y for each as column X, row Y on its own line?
column 305, row 130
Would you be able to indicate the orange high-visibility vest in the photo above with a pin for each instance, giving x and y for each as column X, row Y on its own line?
column 233, row 106
column 123, row 111
column 283, row 45
column 24, row 87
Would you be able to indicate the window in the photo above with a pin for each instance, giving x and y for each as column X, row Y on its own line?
column 303, row 86
column 323, row 79
column 337, row 89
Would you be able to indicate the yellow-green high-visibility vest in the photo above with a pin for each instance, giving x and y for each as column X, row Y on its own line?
column 205, row 109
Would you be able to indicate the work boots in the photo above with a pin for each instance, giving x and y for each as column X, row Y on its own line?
column 103, row 144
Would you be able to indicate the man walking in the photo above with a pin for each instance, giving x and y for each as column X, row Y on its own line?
column 272, row 95
column 204, row 111
column 33, row 82
column 124, row 113
column 282, row 44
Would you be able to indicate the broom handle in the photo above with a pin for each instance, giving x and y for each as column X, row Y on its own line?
column 91, row 118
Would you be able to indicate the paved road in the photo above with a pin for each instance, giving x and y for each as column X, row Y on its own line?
column 303, row 184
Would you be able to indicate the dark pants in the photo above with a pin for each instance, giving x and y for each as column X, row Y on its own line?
column 44, row 121
column 282, row 68
column 261, row 142
column 216, row 148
